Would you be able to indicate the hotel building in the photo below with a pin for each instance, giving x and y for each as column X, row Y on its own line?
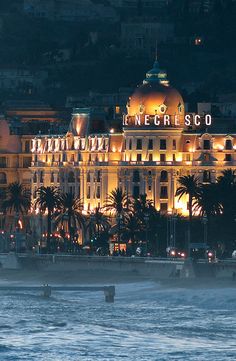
column 155, row 147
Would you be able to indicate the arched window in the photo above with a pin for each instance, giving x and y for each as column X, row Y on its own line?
column 164, row 176
column 136, row 177
column 3, row 178
column 71, row 177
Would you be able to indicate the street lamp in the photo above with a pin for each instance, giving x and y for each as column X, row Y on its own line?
column 146, row 219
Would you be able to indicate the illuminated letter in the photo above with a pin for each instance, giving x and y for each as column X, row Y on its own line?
column 146, row 120
column 137, row 120
column 208, row 119
column 176, row 120
column 197, row 122
column 156, row 120
column 166, row 119
column 187, row 120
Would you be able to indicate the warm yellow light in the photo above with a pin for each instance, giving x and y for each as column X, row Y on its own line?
column 112, row 131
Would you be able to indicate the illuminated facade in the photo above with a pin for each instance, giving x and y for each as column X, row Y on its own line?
column 143, row 158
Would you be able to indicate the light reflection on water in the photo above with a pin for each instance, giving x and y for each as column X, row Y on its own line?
column 146, row 322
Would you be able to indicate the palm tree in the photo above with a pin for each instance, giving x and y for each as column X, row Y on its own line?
column 70, row 213
column 98, row 222
column 188, row 186
column 227, row 191
column 207, row 201
column 17, row 199
column 48, row 199
column 119, row 204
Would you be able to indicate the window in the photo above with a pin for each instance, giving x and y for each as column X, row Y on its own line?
column 3, row 178
column 136, row 191
column 136, row 176
column 162, row 157
column 162, row 144
column 41, row 177
column 71, row 177
column 150, row 158
column 174, row 144
column 228, row 144
column 163, row 207
column 52, row 177
column 27, row 146
column 3, row 162
column 98, row 193
column 150, row 144
column 139, row 144
column 139, row 157
column 206, row 176
column 26, row 162
column 188, row 157
column 98, row 176
column 164, row 176
column 149, row 188
column 164, row 192
column 228, row 157
column 88, row 192
column 173, row 158
column 35, row 177
column 206, row 144
column 88, row 177
column 130, row 144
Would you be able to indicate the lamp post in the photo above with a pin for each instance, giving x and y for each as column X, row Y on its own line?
column 146, row 219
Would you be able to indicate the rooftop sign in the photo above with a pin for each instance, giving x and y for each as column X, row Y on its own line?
column 167, row 120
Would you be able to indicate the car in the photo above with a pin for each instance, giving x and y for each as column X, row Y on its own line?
column 234, row 254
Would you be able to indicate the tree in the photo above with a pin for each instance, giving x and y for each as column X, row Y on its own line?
column 208, row 201
column 98, row 226
column 70, row 213
column 188, row 186
column 119, row 204
column 17, row 199
column 48, row 199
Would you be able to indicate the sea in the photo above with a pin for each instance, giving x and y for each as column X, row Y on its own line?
column 146, row 322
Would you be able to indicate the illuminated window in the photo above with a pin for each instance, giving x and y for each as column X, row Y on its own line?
column 162, row 157
column 188, row 158
column 162, row 108
column 98, row 193
column 139, row 157
column 163, row 208
column 173, row 157
column 88, row 192
column 150, row 158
